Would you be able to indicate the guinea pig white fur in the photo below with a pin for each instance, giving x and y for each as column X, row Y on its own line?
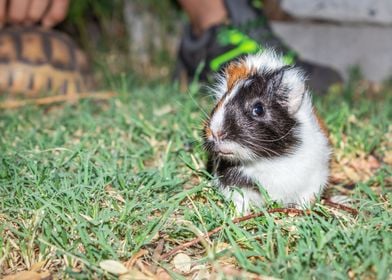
column 263, row 135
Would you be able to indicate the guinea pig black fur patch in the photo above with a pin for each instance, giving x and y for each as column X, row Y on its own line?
column 273, row 134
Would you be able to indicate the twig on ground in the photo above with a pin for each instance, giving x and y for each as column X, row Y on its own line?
column 129, row 264
column 286, row 211
column 156, row 256
column 339, row 206
column 13, row 104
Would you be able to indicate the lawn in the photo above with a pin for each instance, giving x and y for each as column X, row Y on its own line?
column 125, row 180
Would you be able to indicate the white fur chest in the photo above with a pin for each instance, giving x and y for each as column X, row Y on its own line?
column 296, row 178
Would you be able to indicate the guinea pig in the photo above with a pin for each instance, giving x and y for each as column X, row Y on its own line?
column 263, row 135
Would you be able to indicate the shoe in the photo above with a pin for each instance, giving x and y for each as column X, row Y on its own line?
column 248, row 32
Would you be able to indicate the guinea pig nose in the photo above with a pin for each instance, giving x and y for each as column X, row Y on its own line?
column 219, row 135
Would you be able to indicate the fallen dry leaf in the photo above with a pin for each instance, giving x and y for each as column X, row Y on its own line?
column 353, row 169
column 221, row 246
column 135, row 257
column 114, row 193
column 341, row 199
column 86, row 217
column 351, row 274
column 144, row 267
column 37, row 266
column 113, row 267
column 369, row 163
column 162, row 274
column 388, row 157
column 182, row 263
column 231, row 270
column 24, row 275
column 200, row 272
column 134, row 274
column 351, row 174
column 201, row 275
column 163, row 110
column 45, row 275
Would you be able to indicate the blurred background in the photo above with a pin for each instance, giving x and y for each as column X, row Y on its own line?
column 135, row 37
column 142, row 36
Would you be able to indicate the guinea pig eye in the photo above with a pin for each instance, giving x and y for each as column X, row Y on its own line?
column 257, row 110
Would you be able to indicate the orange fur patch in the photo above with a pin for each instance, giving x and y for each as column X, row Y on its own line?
column 324, row 130
column 236, row 71
column 219, row 104
column 322, row 125
column 207, row 131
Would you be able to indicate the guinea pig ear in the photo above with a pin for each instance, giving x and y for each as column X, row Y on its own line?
column 275, row 81
column 293, row 87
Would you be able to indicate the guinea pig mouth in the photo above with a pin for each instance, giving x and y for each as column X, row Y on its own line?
column 225, row 153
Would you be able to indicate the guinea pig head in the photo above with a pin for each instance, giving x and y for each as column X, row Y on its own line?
column 255, row 113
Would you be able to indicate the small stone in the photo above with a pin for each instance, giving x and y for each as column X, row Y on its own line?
column 182, row 263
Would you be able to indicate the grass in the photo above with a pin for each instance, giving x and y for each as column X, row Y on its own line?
column 103, row 180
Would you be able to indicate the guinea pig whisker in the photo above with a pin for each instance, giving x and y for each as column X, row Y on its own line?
column 280, row 138
column 265, row 149
column 208, row 146
column 198, row 105
column 269, row 151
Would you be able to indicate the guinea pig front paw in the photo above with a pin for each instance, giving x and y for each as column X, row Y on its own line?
column 303, row 202
column 243, row 198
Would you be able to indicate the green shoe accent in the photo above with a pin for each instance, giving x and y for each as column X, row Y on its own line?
column 234, row 37
column 289, row 58
column 245, row 45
